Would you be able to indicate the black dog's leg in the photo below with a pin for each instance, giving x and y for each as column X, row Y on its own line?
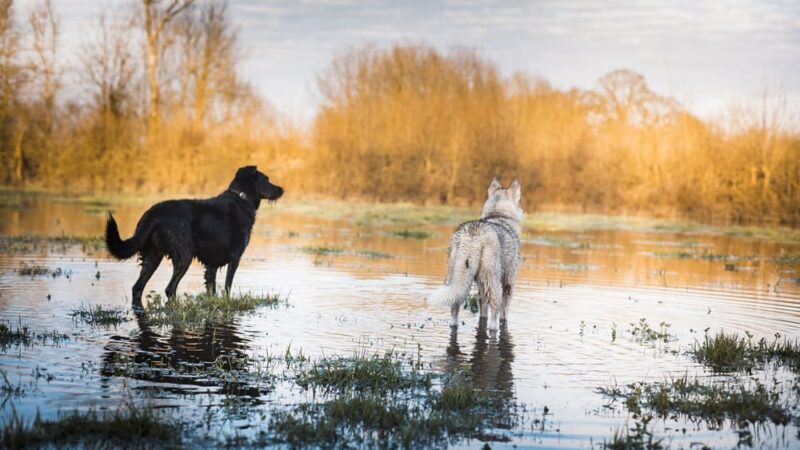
column 179, row 267
column 232, row 266
column 211, row 280
column 149, row 265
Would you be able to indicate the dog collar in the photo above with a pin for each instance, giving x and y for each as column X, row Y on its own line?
column 239, row 194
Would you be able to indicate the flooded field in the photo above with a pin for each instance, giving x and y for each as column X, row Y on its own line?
column 613, row 338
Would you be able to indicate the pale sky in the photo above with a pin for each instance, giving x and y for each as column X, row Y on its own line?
column 706, row 54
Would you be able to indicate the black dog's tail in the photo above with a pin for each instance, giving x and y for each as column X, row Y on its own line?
column 125, row 249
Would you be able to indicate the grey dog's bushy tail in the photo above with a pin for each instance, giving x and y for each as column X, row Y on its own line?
column 459, row 280
column 124, row 249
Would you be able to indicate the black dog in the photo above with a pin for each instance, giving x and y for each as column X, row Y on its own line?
column 215, row 231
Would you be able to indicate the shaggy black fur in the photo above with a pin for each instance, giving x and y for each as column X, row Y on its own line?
column 215, row 231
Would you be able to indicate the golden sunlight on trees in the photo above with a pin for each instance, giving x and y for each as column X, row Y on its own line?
column 163, row 106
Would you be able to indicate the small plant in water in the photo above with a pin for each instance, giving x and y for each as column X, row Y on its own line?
column 643, row 333
column 23, row 336
column 418, row 417
column 729, row 352
column 411, row 234
column 35, row 270
column 714, row 402
column 100, row 315
column 129, row 426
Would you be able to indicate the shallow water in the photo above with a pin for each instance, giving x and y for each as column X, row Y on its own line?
column 574, row 287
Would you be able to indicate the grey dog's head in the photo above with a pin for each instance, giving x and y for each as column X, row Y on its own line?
column 503, row 201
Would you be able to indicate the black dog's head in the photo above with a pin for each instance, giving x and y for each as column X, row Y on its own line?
column 255, row 185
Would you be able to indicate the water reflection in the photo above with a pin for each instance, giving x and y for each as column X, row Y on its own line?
column 490, row 361
column 177, row 355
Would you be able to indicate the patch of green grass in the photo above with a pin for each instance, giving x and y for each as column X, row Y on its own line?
column 553, row 241
column 712, row 402
column 358, row 418
column 363, row 373
column 322, row 250
column 23, row 336
column 411, row 234
column 99, row 315
column 787, row 259
column 643, row 333
column 129, row 427
column 190, row 311
column 726, row 352
column 33, row 270
column 373, row 254
column 638, row 437
column 26, row 244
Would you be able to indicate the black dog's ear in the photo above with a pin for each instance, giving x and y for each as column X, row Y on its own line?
column 252, row 169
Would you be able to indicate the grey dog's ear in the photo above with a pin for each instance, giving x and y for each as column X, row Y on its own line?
column 494, row 185
column 516, row 190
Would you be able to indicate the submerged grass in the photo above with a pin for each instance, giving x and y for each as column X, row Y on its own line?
column 430, row 417
column 411, row 234
column 99, row 315
column 377, row 373
column 35, row 270
column 726, row 352
column 129, row 427
column 189, row 311
column 321, row 250
column 23, row 336
column 26, row 244
column 644, row 333
column 713, row 402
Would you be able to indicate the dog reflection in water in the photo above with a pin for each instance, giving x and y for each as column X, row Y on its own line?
column 489, row 362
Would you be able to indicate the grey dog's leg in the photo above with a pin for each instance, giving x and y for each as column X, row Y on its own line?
column 454, row 315
column 494, row 293
column 508, row 292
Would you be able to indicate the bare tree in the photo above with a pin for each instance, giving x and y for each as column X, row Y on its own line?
column 45, row 27
column 209, row 59
column 13, row 77
column 155, row 21
column 109, row 68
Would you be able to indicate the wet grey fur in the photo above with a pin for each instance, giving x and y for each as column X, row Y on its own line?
column 485, row 251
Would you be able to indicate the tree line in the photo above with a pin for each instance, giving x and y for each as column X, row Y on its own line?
column 163, row 106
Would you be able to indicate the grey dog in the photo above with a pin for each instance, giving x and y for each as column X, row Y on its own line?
column 486, row 251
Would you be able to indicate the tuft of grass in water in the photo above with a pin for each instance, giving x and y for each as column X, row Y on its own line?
column 23, row 336
column 99, row 315
column 363, row 418
column 325, row 251
column 189, row 311
column 26, row 244
column 129, row 427
column 32, row 270
column 35, row 270
column 730, row 352
column 411, row 234
column 638, row 437
column 363, row 373
column 373, row 254
column 643, row 333
column 712, row 402
column 322, row 250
